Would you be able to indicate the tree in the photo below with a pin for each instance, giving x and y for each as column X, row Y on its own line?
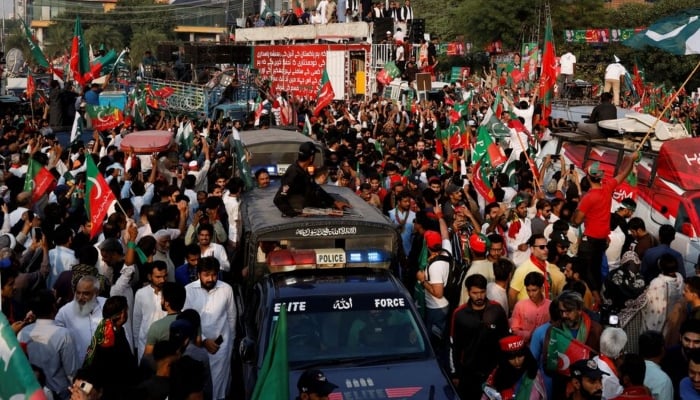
column 106, row 35
column 144, row 39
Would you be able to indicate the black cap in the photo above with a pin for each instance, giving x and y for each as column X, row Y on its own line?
column 307, row 150
column 314, row 381
column 588, row 368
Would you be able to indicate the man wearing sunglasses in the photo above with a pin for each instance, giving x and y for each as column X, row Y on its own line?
column 554, row 278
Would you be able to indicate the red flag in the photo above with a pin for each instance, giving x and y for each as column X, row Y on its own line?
column 496, row 155
column 104, row 118
column 325, row 94
column 548, row 77
column 99, row 196
column 439, row 149
column 31, row 86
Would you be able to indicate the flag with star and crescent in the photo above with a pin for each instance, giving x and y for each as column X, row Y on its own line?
column 18, row 379
column 561, row 350
column 104, row 117
column 98, row 196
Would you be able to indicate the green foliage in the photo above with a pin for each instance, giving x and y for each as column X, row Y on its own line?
column 105, row 35
column 144, row 38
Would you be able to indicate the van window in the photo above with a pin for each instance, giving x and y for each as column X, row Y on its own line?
column 684, row 223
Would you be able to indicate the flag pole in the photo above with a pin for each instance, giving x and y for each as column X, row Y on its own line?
column 668, row 105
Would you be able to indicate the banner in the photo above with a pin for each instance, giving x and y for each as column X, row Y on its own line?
column 592, row 36
column 297, row 69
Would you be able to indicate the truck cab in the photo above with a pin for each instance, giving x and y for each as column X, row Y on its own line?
column 667, row 189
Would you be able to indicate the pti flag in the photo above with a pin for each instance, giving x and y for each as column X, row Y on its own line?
column 17, row 378
column 325, row 94
column 79, row 57
column 38, row 180
column 561, row 350
column 273, row 378
column 482, row 184
column 99, row 196
column 678, row 34
column 486, row 150
column 104, row 117
column 548, row 76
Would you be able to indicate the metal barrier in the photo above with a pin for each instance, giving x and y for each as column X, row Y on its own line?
column 187, row 97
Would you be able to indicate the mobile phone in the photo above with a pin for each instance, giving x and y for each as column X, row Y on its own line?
column 555, row 157
column 37, row 234
column 86, row 387
column 571, row 167
column 219, row 340
column 613, row 320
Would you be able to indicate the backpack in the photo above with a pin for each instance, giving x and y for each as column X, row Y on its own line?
column 455, row 279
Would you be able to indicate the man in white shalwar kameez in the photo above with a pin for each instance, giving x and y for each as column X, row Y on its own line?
column 147, row 304
column 214, row 301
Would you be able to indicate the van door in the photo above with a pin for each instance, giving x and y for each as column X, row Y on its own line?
column 670, row 210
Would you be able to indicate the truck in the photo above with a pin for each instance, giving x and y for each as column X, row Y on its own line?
column 667, row 189
column 204, row 100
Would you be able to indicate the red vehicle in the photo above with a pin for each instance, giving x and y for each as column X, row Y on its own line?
column 668, row 183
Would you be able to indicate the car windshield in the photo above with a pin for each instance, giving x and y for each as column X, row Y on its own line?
column 351, row 329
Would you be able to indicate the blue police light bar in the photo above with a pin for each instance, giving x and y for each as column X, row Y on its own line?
column 372, row 258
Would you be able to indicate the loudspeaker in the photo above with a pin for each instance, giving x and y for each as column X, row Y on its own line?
column 381, row 27
column 417, row 30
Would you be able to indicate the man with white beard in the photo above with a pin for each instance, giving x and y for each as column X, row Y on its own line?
column 82, row 315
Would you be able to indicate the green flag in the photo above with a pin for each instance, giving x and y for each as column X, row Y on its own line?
column 17, row 380
column 273, row 379
column 307, row 126
column 677, row 34
column 241, row 160
column 37, row 54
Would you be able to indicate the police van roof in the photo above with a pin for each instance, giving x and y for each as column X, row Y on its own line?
column 334, row 282
column 262, row 217
column 272, row 147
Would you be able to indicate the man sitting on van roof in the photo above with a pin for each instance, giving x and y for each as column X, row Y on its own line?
column 298, row 188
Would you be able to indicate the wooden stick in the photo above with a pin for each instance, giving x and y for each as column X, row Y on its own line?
column 668, row 105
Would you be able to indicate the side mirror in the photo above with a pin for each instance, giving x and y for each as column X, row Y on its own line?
column 663, row 210
column 248, row 351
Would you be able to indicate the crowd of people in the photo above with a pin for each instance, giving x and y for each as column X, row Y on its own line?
column 332, row 11
column 147, row 309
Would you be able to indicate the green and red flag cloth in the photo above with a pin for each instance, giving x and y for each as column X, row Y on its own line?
column 388, row 73
column 548, row 76
column 561, row 350
column 38, row 180
column 97, row 64
column 17, row 379
column 79, row 57
column 481, row 182
column 307, row 126
column 104, row 117
column 325, row 93
column 273, row 378
column 98, row 196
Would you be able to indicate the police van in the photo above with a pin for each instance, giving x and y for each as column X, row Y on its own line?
column 347, row 314
column 276, row 149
